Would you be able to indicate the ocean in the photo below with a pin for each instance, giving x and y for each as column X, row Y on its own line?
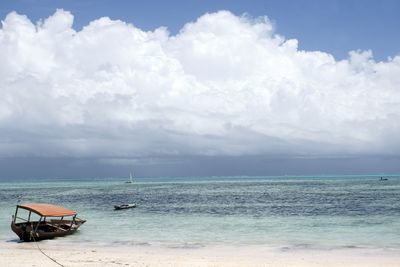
column 188, row 212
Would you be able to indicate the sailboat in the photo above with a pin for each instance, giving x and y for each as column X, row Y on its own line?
column 130, row 179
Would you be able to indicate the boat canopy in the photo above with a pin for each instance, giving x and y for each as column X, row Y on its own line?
column 47, row 210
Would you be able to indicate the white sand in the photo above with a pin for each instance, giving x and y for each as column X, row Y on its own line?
column 27, row 254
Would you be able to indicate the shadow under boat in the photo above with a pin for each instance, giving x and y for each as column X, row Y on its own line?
column 54, row 221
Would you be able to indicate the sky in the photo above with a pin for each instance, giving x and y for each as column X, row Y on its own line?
column 194, row 88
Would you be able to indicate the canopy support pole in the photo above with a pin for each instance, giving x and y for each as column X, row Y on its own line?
column 72, row 222
column 16, row 212
column 37, row 226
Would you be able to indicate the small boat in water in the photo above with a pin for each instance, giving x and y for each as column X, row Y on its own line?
column 53, row 221
column 130, row 181
column 124, row 206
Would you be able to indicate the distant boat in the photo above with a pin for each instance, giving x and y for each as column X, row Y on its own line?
column 54, row 221
column 130, row 179
column 383, row 179
column 124, row 206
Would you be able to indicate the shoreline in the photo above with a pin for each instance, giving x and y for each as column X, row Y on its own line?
column 81, row 254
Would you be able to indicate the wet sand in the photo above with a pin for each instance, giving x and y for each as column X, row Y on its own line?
column 27, row 254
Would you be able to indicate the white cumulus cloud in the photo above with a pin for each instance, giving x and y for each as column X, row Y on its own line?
column 224, row 85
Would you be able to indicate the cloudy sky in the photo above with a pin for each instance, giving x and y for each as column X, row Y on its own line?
column 90, row 90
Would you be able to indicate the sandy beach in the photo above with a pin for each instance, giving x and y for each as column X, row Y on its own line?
column 27, row 254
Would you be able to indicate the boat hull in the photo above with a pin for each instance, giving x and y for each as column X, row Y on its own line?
column 45, row 230
column 123, row 207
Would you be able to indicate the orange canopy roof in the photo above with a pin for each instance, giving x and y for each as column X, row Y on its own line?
column 44, row 209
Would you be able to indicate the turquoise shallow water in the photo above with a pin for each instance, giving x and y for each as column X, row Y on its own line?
column 343, row 211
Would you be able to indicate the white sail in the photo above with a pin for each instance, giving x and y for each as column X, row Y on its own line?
column 130, row 181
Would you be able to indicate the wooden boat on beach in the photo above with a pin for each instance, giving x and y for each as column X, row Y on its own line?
column 53, row 221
